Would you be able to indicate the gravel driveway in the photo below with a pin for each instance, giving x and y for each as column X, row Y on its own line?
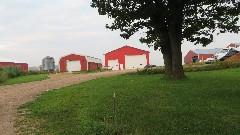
column 12, row 96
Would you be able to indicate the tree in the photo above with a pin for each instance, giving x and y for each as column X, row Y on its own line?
column 169, row 22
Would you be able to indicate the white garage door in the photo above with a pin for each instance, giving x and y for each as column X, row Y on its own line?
column 113, row 64
column 73, row 65
column 135, row 61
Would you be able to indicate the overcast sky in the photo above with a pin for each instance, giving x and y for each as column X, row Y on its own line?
column 33, row 29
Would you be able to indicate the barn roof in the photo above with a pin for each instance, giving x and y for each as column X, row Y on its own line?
column 89, row 58
column 2, row 59
column 234, row 44
column 207, row 51
column 237, row 44
column 128, row 47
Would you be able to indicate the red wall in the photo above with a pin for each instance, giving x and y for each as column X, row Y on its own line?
column 188, row 57
column 23, row 66
column 63, row 62
column 190, row 54
column 99, row 65
column 121, row 52
column 93, row 66
column 204, row 56
column 233, row 45
column 4, row 64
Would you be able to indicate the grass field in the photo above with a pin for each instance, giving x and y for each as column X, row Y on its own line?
column 24, row 79
column 205, row 103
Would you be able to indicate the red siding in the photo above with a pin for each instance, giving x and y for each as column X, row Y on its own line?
column 23, row 66
column 63, row 62
column 93, row 66
column 4, row 64
column 188, row 57
column 233, row 46
column 121, row 52
column 99, row 65
column 204, row 56
column 190, row 54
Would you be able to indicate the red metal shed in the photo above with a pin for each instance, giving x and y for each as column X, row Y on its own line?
column 126, row 57
column 200, row 55
column 4, row 62
column 234, row 45
column 75, row 62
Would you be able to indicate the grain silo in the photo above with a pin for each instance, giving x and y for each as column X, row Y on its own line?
column 48, row 64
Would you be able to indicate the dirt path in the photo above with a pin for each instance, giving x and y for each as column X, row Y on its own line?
column 13, row 96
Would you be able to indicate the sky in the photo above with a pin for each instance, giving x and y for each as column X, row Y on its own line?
column 33, row 29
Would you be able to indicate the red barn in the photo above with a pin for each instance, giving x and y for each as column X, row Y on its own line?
column 234, row 45
column 4, row 62
column 126, row 57
column 74, row 62
column 199, row 55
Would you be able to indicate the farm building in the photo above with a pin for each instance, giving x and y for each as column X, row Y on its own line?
column 126, row 57
column 234, row 45
column 200, row 55
column 48, row 64
column 4, row 62
column 75, row 62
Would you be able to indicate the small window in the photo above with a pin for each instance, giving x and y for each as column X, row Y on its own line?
column 140, row 64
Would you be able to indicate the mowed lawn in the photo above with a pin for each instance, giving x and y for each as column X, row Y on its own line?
column 205, row 103
column 24, row 79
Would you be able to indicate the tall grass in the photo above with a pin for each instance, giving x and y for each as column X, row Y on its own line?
column 13, row 72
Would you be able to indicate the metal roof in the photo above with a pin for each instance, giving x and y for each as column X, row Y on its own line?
column 88, row 58
column 236, row 43
column 207, row 51
column 2, row 59
column 124, row 47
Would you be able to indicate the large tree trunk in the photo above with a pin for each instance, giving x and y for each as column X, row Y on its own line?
column 167, row 55
column 168, row 64
column 177, row 68
column 175, row 36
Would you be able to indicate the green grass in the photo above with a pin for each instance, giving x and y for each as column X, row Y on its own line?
column 24, row 79
column 205, row 103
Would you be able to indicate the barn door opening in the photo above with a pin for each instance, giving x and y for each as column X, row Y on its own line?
column 135, row 61
column 113, row 64
column 73, row 66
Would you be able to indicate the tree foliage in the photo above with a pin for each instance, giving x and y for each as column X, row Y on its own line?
column 201, row 18
column 166, row 20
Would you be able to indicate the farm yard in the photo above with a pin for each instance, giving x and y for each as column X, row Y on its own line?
column 205, row 103
column 12, row 96
column 62, row 73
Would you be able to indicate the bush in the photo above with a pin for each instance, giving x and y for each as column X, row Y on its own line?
column 33, row 72
column 158, row 70
column 11, row 71
column 218, row 65
column 3, row 77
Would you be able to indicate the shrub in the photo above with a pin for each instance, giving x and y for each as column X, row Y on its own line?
column 3, row 77
column 11, row 71
column 33, row 72
column 145, row 71
column 218, row 65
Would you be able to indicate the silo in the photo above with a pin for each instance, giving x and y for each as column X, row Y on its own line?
column 48, row 64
